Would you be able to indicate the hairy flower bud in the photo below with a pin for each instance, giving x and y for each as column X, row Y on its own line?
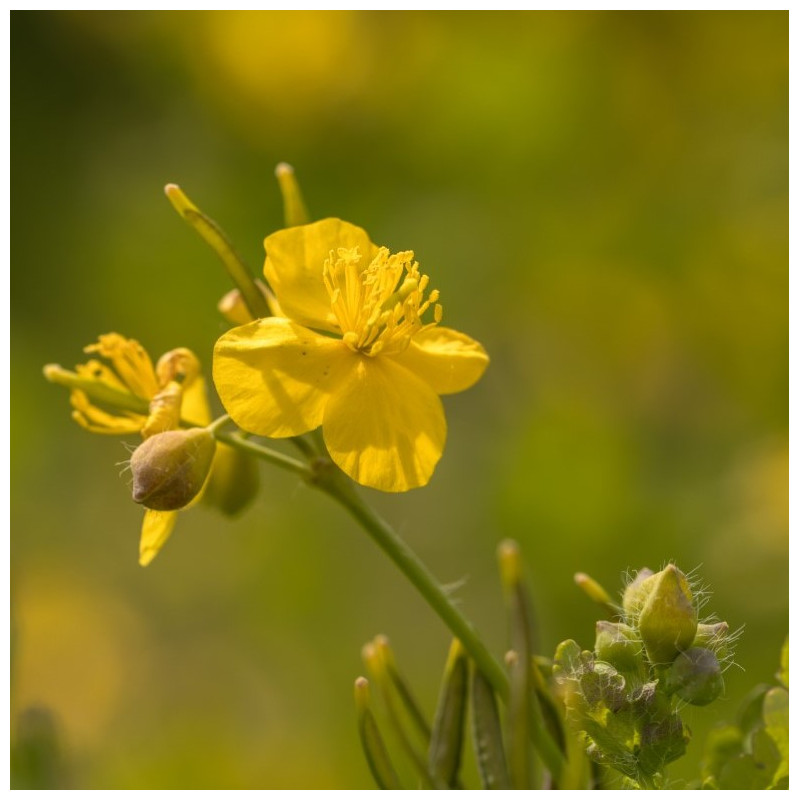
column 634, row 596
column 696, row 677
column 618, row 644
column 715, row 636
column 170, row 468
column 667, row 621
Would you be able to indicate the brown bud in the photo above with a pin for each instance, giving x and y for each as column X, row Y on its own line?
column 170, row 468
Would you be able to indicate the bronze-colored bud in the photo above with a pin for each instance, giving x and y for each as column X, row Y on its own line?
column 696, row 677
column 668, row 620
column 170, row 468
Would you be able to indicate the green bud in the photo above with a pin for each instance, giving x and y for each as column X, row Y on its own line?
column 634, row 597
column 714, row 637
column 170, row 468
column 618, row 644
column 595, row 592
column 668, row 619
column 233, row 482
column 695, row 676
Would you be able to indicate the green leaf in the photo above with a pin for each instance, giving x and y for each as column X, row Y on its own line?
column 776, row 725
column 722, row 745
column 752, row 770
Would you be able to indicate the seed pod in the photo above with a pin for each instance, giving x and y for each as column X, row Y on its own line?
column 487, row 734
column 695, row 676
column 668, row 620
column 372, row 741
column 170, row 468
column 444, row 755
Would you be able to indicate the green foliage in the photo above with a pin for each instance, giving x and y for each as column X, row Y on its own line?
column 624, row 724
column 618, row 706
column 753, row 754
column 623, row 700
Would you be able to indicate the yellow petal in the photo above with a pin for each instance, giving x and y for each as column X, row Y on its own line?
column 293, row 268
column 165, row 410
column 274, row 377
column 100, row 372
column 445, row 359
column 96, row 420
column 130, row 360
column 384, row 426
column 194, row 407
column 156, row 528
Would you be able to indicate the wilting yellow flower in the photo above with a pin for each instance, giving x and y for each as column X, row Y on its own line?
column 174, row 388
column 352, row 354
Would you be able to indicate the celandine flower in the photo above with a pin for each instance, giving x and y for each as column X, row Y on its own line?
column 174, row 388
column 351, row 352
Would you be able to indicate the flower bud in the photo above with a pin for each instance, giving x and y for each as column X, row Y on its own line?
column 715, row 637
column 233, row 482
column 668, row 620
column 233, row 307
column 634, row 597
column 696, row 677
column 170, row 468
column 618, row 644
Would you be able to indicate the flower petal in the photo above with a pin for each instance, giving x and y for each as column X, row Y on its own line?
column 194, row 407
column 156, row 528
column 384, row 426
column 94, row 419
column 293, row 268
column 274, row 377
column 445, row 359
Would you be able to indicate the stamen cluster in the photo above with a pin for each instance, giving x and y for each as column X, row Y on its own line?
column 379, row 309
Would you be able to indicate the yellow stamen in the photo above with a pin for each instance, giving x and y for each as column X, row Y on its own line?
column 379, row 308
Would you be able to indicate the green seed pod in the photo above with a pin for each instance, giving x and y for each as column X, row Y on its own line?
column 618, row 644
column 170, row 468
column 447, row 737
column 695, row 676
column 634, row 597
column 668, row 620
column 371, row 740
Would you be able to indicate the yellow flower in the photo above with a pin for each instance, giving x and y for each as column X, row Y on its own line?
column 174, row 388
column 351, row 353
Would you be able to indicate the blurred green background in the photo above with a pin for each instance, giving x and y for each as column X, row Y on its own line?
column 602, row 199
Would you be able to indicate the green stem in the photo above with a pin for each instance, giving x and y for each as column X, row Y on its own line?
column 264, row 453
column 328, row 478
column 319, row 471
